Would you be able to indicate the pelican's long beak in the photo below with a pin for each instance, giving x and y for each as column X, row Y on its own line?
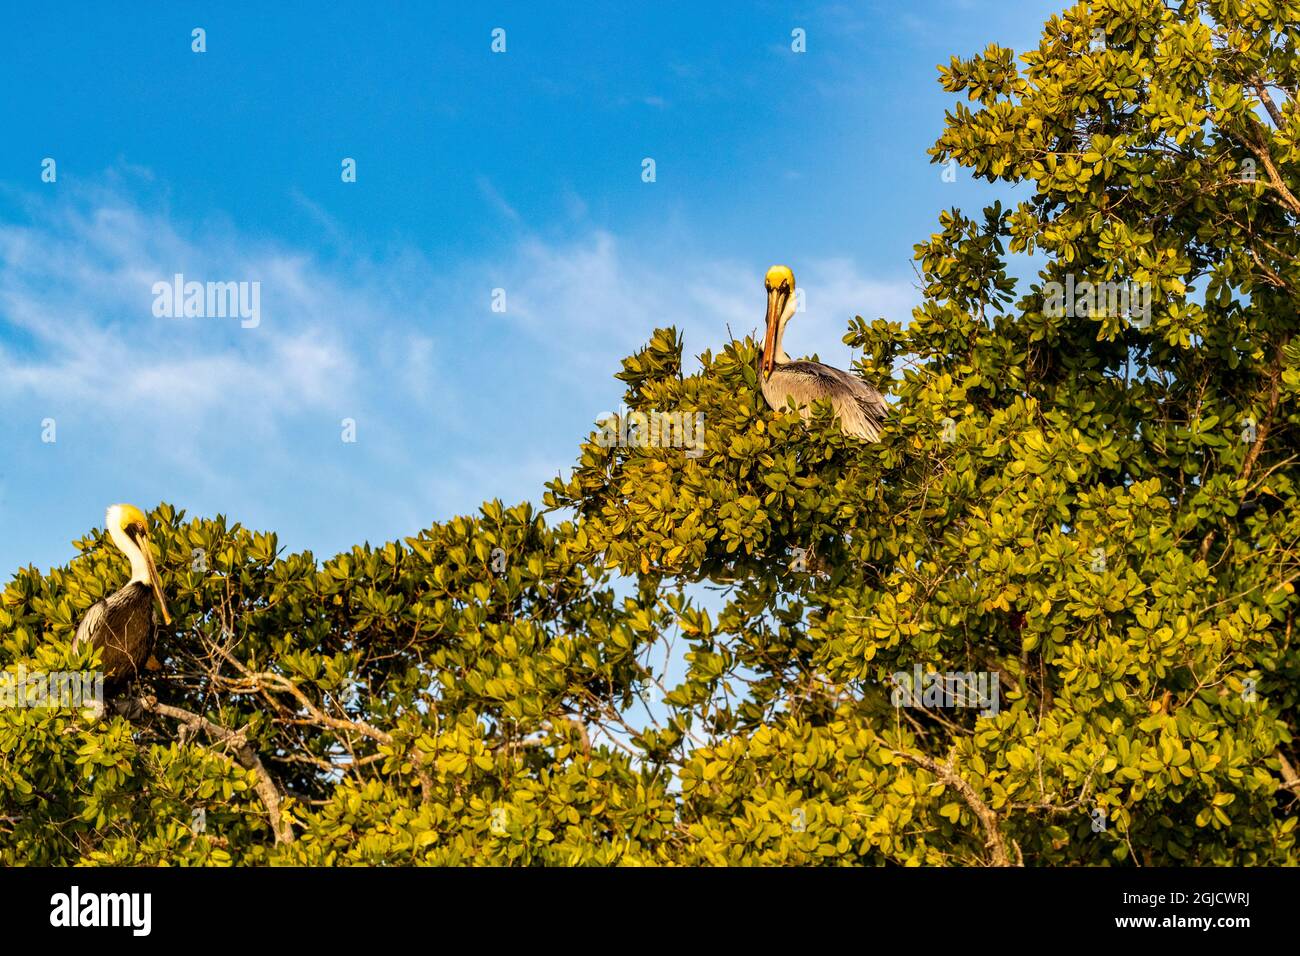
column 776, row 299
column 155, row 581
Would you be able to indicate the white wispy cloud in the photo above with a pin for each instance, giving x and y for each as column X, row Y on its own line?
column 77, row 283
column 496, row 200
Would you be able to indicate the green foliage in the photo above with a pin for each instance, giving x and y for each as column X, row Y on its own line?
column 1100, row 512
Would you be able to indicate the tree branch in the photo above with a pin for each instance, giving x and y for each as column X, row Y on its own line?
column 1262, row 92
column 265, row 681
column 1291, row 780
column 987, row 818
column 1261, row 435
column 244, row 753
column 1257, row 143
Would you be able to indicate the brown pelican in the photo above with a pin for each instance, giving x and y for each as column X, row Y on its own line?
column 122, row 624
column 861, row 409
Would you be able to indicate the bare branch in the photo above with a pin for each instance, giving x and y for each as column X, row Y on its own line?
column 1261, row 90
column 244, row 753
column 987, row 818
column 1291, row 781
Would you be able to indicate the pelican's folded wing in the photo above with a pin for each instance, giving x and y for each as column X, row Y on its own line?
column 91, row 624
column 860, row 407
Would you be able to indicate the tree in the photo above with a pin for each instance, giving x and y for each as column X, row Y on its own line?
column 1084, row 503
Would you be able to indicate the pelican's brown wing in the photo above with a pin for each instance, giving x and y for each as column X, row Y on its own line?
column 861, row 409
column 122, row 626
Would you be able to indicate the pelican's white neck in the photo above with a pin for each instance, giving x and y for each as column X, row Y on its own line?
column 139, row 569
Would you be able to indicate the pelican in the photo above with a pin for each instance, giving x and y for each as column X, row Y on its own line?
column 861, row 409
column 122, row 624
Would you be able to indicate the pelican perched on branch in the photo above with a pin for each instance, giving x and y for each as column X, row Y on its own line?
column 861, row 409
column 122, row 625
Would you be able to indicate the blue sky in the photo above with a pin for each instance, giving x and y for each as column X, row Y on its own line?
column 475, row 171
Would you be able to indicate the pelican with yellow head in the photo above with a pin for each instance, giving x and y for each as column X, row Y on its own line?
column 123, row 625
column 859, row 407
